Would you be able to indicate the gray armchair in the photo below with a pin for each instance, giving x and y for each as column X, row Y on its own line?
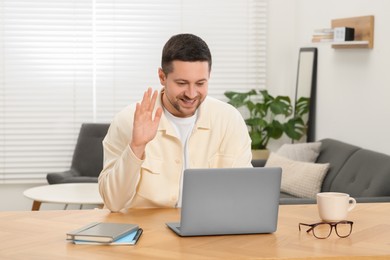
column 87, row 161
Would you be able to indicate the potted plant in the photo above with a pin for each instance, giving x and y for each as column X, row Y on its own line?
column 270, row 117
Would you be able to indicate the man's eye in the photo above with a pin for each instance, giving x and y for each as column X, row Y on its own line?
column 181, row 83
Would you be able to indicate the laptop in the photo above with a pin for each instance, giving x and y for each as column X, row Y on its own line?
column 226, row 201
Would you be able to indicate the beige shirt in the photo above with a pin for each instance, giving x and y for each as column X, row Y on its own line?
column 219, row 139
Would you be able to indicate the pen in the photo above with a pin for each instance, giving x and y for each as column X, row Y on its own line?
column 137, row 235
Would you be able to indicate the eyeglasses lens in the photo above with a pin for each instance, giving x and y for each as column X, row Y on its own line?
column 343, row 229
column 322, row 230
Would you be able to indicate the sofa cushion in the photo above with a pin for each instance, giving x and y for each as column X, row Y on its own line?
column 364, row 174
column 301, row 179
column 335, row 153
column 304, row 152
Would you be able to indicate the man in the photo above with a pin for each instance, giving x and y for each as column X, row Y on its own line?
column 149, row 144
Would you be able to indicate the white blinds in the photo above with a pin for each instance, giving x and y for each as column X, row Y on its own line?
column 67, row 62
column 45, row 85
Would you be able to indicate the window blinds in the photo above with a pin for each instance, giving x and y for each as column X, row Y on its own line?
column 45, row 85
column 63, row 63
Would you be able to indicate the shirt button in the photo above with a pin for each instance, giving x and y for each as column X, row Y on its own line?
column 177, row 161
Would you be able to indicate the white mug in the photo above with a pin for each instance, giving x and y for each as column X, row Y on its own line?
column 334, row 206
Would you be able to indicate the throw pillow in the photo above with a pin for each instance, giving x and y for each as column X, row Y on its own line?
column 301, row 179
column 304, row 152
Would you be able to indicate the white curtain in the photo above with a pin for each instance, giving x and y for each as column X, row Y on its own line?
column 63, row 63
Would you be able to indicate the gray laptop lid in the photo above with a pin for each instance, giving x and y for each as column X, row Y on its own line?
column 229, row 201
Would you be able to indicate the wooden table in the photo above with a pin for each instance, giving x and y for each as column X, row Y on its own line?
column 41, row 235
column 66, row 193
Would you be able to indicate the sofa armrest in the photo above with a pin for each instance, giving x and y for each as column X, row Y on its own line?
column 79, row 179
column 70, row 176
column 294, row 201
column 372, row 199
column 59, row 177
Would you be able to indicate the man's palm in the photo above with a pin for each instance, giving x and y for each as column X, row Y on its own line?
column 145, row 125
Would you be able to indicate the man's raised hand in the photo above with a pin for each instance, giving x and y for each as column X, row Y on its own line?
column 145, row 123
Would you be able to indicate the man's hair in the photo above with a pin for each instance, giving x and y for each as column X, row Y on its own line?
column 184, row 47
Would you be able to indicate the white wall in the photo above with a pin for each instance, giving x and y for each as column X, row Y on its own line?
column 353, row 91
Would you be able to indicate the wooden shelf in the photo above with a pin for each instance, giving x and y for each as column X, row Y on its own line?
column 351, row 44
column 364, row 32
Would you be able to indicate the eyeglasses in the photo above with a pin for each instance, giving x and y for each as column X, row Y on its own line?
column 323, row 230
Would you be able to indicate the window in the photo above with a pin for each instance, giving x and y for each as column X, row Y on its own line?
column 67, row 62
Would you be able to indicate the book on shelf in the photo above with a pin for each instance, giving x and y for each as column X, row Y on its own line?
column 322, row 37
column 324, row 30
column 325, row 36
column 102, row 232
column 321, row 40
column 128, row 240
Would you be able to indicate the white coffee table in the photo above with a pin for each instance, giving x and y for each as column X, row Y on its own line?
column 69, row 193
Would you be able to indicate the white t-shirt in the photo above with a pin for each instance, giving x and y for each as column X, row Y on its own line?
column 183, row 127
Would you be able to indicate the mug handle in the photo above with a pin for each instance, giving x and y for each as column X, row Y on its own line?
column 352, row 204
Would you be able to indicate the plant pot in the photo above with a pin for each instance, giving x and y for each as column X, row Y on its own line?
column 260, row 154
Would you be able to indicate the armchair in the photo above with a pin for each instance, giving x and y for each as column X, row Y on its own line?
column 87, row 161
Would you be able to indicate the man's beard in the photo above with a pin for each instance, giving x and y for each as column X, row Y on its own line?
column 175, row 103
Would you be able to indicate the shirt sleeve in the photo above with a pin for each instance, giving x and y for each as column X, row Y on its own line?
column 121, row 168
column 238, row 141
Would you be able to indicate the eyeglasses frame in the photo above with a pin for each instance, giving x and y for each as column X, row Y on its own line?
column 332, row 225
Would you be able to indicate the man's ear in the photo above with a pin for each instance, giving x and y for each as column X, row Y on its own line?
column 161, row 76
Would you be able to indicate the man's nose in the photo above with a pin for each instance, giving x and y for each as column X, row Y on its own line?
column 191, row 91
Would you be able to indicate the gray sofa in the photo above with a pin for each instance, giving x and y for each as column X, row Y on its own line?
column 362, row 173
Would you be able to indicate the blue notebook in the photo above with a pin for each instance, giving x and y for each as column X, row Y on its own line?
column 102, row 232
column 130, row 239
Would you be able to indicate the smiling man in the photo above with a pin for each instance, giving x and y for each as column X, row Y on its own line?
column 149, row 144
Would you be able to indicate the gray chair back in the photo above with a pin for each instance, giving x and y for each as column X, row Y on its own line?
column 88, row 154
column 87, row 161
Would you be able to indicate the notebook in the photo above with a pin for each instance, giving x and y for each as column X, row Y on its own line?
column 130, row 239
column 103, row 232
column 227, row 201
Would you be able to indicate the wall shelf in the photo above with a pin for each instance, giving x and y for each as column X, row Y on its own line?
column 351, row 44
column 364, row 32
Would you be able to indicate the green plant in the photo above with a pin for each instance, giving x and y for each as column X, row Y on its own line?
column 270, row 117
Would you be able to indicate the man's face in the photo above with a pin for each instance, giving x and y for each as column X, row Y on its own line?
column 185, row 87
